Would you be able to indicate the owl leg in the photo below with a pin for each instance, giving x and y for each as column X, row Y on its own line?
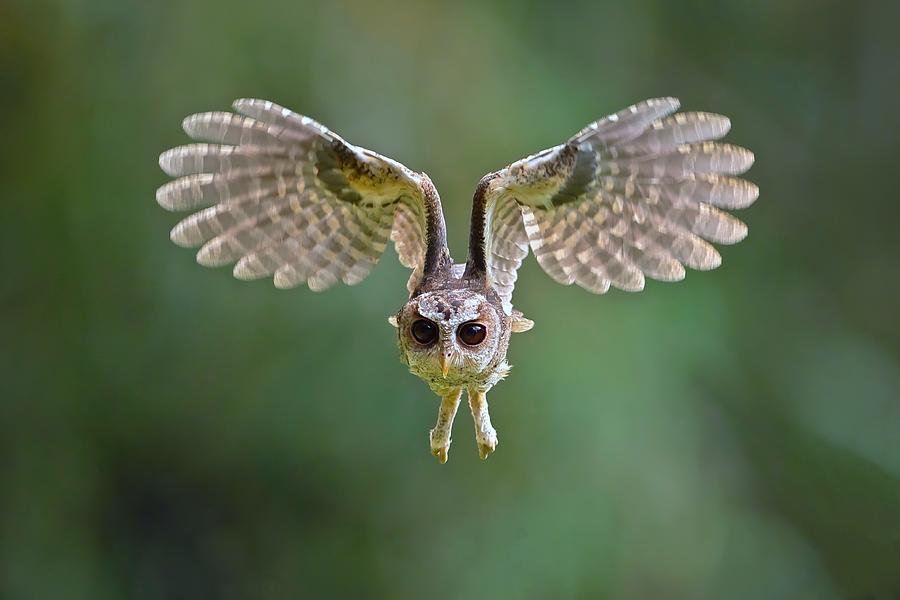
column 485, row 434
column 440, row 435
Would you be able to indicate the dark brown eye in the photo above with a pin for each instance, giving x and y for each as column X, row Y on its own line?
column 471, row 333
column 424, row 331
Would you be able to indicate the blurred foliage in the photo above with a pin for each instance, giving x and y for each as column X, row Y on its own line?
column 169, row 432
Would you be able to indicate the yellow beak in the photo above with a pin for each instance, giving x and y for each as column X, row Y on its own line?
column 445, row 363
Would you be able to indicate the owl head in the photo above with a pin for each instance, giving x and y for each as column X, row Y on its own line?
column 451, row 336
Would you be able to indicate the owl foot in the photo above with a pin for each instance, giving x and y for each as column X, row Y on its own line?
column 487, row 443
column 439, row 437
column 485, row 434
column 441, row 452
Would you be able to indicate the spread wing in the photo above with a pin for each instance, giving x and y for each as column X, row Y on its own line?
column 636, row 194
column 282, row 196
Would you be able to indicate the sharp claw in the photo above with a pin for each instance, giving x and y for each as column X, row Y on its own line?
column 485, row 449
column 441, row 454
column 439, row 437
column 485, row 434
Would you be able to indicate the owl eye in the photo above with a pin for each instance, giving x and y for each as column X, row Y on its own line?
column 471, row 333
column 424, row 331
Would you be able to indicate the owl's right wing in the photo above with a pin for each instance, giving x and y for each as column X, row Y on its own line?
column 283, row 196
column 635, row 194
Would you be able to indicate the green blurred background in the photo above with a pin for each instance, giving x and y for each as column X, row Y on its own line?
column 169, row 432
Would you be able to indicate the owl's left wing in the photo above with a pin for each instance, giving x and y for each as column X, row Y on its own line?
column 283, row 196
column 635, row 194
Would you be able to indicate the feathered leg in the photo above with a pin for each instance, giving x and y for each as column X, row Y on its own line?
column 485, row 434
column 440, row 435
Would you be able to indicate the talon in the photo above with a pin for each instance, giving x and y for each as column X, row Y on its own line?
column 439, row 437
column 439, row 448
column 486, row 449
column 485, row 434
column 441, row 454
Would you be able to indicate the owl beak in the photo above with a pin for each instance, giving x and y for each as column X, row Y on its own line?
column 445, row 363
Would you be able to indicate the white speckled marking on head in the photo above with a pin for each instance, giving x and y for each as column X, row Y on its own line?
column 453, row 307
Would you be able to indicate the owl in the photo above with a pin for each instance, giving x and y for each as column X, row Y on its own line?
column 639, row 193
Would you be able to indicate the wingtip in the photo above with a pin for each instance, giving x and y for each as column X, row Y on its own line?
column 642, row 282
column 245, row 271
column 254, row 107
column 164, row 197
column 166, row 162
column 721, row 124
column 286, row 279
column 185, row 235
column 279, row 282
column 240, row 103
column 321, row 281
column 184, row 192
column 634, row 284
column 176, row 236
column 740, row 233
column 670, row 101
column 187, row 123
column 215, row 253
column 670, row 104
column 678, row 272
column 204, row 257
column 752, row 194
column 198, row 124
column 750, row 158
column 726, row 124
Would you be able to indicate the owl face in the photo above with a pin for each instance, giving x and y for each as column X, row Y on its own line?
column 450, row 337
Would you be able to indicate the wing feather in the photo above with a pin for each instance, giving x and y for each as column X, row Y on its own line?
column 280, row 195
column 636, row 194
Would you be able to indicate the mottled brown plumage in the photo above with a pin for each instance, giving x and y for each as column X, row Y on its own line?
column 636, row 194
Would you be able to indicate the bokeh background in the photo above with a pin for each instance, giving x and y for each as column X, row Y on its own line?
column 169, row 432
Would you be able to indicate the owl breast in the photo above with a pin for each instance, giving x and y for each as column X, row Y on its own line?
column 479, row 380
